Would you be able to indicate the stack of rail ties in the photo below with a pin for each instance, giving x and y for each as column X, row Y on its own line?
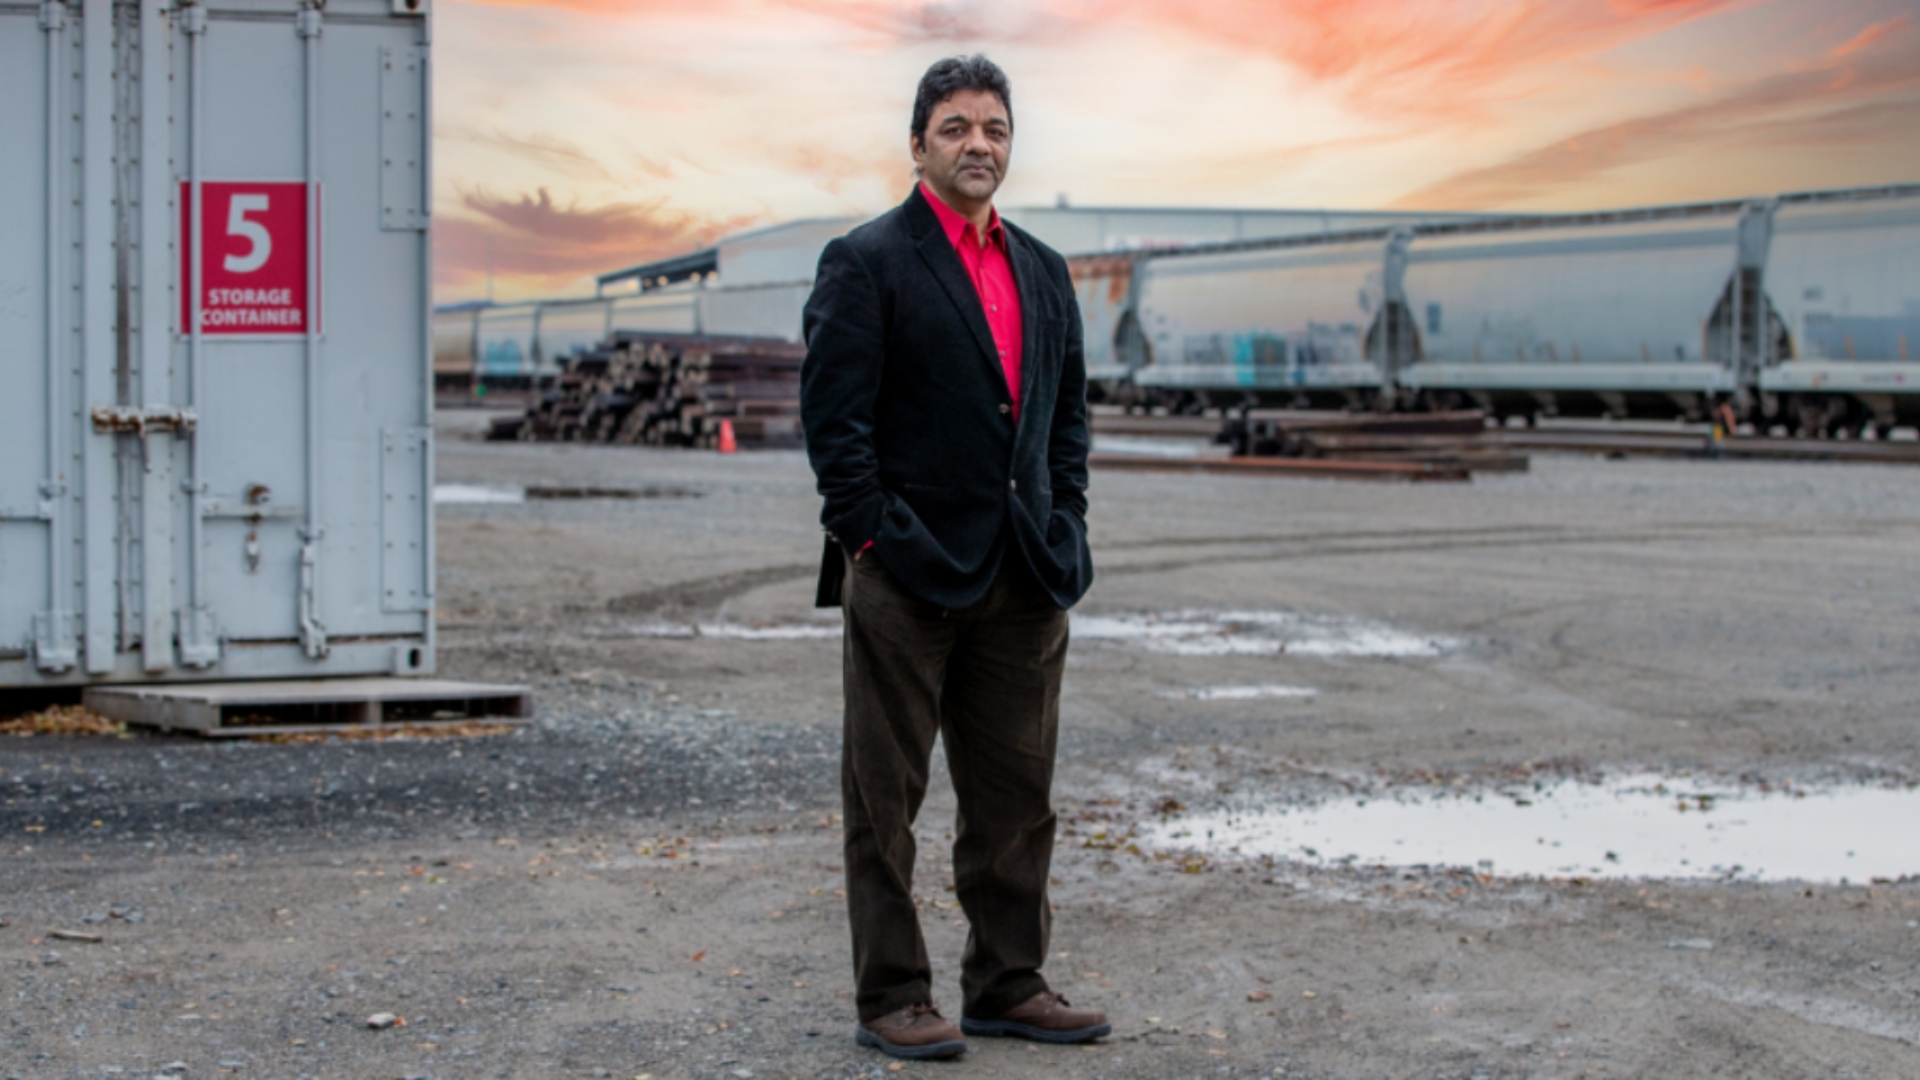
column 668, row 390
column 1359, row 446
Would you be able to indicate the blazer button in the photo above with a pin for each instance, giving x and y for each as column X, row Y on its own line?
column 1013, row 485
column 1006, row 410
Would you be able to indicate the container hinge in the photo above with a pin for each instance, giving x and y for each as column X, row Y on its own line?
column 193, row 18
column 53, row 641
column 150, row 420
column 53, row 15
column 199, row 638
column 307, row 23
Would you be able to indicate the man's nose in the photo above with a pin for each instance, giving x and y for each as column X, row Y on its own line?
column 977, row 142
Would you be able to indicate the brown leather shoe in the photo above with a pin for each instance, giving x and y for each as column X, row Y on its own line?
column 916, row 1032
column 1044, row 1017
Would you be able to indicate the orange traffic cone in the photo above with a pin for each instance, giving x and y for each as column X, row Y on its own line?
column 727, row 445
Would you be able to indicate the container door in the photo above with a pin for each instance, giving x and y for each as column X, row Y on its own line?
column 41, row 484
column 310, row 360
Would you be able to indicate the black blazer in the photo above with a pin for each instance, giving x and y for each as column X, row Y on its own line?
column 908, row 419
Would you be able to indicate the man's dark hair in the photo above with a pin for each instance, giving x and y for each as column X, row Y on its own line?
column 952, row 75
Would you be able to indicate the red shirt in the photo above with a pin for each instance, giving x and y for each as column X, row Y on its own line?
column 990, row 271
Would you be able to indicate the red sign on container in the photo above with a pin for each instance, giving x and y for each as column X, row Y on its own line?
column 253, row 273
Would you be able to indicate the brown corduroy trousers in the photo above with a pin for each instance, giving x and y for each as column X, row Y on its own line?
column 986, row 679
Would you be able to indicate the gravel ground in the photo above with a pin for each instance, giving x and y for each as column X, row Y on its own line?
column 645, row 883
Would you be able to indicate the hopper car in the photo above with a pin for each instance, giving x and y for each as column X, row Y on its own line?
column 513, row 346
column 1799, row 313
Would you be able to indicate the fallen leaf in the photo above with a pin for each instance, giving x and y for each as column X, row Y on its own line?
column 699, row 956
column 1259, row 995
column 1309, row 993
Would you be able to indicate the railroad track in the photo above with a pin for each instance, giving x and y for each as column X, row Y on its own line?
column 1690, row 444
column 1323, row 444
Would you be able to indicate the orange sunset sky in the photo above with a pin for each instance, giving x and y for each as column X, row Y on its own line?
column 578, row 136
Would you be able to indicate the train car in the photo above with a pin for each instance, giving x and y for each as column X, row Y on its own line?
column 762, row 310
column 454, row 358
column 1800, row 313
column 566, row 327
column 1287, row 323
column 674, row 309
column 1604, row 319
column 1843, row 273
column 1110, row 324
column 505, row 337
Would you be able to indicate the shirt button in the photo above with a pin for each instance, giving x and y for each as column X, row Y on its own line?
column 1005, row 410
column 1013, row 485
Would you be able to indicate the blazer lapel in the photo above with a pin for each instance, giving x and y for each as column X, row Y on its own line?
column 937, row 251
column 1027, row 279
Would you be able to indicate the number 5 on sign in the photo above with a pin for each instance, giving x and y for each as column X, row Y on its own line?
column 254, row 232
column 252, row 250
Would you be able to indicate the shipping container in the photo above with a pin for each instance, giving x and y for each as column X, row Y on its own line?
column 214, row 297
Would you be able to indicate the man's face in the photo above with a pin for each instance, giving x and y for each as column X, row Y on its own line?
column 963, row 153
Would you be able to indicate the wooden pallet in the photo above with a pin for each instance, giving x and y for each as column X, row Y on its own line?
column 299, row 706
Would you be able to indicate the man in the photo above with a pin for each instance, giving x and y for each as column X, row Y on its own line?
column 944, row 401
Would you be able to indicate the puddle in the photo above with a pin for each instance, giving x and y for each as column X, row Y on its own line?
column 1262, row 692
column 1257, row 633
column 1640, row 826
column 498, row 493
column 1170, row 448
column 578, row 492
column 736, row 631
column 1233, row 633
column 477, row 493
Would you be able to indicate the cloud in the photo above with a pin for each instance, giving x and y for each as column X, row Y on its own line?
column 1862, row 97
column 533, row 244
column 555, row 154
column 1419, row 58
column 1389, row 58
column 1872, row 35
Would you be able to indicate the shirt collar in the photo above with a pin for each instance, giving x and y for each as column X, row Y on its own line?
column 956, row 226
